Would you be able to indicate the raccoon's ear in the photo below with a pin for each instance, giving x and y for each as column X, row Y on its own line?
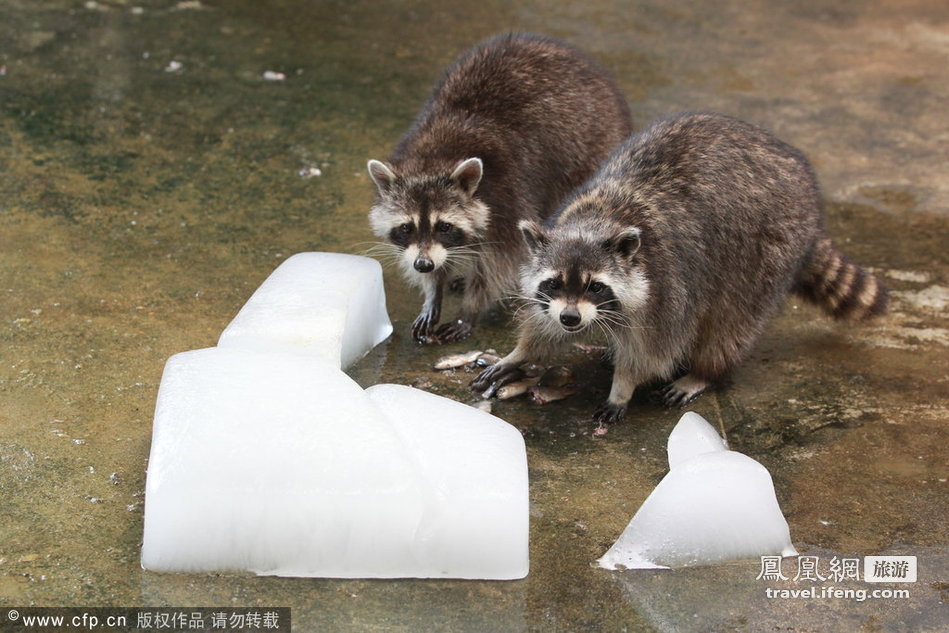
column 625, row 243
column 381, row 174
column 534, row 235
column 467, row 175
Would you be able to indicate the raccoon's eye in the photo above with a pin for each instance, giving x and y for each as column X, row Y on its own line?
column 550, row 285
column 596, row 287
column 406, row 228
column 443, row 227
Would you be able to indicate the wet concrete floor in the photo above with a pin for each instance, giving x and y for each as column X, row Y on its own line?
column 150, row 179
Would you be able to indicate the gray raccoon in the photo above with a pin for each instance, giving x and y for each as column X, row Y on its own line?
column 679, row 249
column 511, row 128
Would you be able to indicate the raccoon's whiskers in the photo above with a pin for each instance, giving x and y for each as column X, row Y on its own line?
column 608, row 332
column 388, row 254
column 379, row 248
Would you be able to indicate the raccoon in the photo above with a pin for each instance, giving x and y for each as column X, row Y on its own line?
column 678, row 250
column 511, row 127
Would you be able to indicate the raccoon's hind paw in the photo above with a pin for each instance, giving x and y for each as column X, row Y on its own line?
column 457, row 330
column 682, row 391
column 609, row 413
column 495, row 377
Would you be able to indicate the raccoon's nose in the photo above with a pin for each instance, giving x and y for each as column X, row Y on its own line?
column 570, row 317
column 424, row 265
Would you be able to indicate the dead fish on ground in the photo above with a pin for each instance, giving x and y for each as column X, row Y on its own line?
column 488, row 358
column 543, row 395
column 517, row 388
column 556, row 383
column 525, row 377
column 453, row 361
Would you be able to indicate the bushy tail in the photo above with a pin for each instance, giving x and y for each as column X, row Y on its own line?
column 841, row 287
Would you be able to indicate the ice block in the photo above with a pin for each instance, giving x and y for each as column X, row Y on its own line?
column 279, row 464
column 329, row 305
column 714, row 505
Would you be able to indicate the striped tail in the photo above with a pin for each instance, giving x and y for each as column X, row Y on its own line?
column 841, row 287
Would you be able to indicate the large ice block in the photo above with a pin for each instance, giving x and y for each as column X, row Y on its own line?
column 714, row 505
column 330, row 305
column 280, row 464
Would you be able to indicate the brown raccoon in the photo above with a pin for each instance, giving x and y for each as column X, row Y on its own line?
column 511, row 128
column 678, row 250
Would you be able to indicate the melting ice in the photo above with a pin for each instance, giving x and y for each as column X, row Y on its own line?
column 714, row 505
column 266, row 457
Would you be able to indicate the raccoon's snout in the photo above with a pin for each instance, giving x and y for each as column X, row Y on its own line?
column 424, row 264
column 570, row 318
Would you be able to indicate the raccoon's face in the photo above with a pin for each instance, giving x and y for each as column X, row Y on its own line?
column 576, row 280
column 433, row 221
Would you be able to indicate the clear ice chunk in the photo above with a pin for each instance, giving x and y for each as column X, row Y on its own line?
column 714, row 505
column 279, row 464
column 330, row 305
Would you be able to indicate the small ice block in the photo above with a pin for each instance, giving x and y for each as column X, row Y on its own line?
column 476, row 465
column 280, row 464
column 713, row 506
column 330, row 305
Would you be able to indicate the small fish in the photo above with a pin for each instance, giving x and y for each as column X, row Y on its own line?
column 514, row 389
column 457, row 360
column 488, row 358
column 556, row 377
column 543, row 395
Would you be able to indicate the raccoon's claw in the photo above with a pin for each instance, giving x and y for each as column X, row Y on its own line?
column 672, row 396
column 455, row 331
column 609, row 413
column 495, row 377
column 422, row 328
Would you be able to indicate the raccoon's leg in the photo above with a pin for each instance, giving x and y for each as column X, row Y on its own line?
column 473, row 301
column 633, row 364
column 614, row 409
column 431, row 309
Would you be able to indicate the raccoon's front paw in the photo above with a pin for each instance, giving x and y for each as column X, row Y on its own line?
column 495, row 377
column 609, row 413
column 422, row 327
column 457, row 330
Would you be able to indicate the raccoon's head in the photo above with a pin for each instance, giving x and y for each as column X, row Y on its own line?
column 575, row 279
column 433, row 220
